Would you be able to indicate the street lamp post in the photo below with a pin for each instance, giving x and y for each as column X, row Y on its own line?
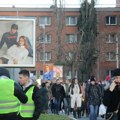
column 43, row 27
column 43, row 45
column 117, row 53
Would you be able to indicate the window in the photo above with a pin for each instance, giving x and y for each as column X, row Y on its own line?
column 109, row 72
column 46, row 40
column 71, row 20
column 71, row 38
column 119, row 54
column 68, row 74
column 110, row 38
column 33, row 72
column 45, row 20
column 41, row 72
column 76, row 73
column 110, row 56
column 45, row 57
column 111, row 20
column 69, row 56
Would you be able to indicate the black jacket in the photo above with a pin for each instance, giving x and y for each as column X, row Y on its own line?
column 58, row 91
column 112, row 99
column 18, row 92
column 94, row 95
column 36, row 97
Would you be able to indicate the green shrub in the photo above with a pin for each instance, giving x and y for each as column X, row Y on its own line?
column 53, row 117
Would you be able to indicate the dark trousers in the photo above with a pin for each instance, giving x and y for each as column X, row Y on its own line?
column 118, row 114
column 67, row 105
column 83, row 108
column 115, row 117
column 7, row 118
column 52, row 106
column 57, row 105
column 11, row 116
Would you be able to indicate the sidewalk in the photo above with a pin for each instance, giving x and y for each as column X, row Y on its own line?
column 71, row 116
column 82, row 118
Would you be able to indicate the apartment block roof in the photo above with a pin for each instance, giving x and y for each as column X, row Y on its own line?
column 3, row 9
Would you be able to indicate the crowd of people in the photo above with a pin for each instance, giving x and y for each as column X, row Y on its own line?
column 84, row 99
column 26, row 100
column 72, row 97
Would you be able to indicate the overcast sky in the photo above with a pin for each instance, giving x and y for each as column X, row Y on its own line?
column 46, row 3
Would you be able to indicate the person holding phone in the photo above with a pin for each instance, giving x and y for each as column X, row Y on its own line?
column 112, row 97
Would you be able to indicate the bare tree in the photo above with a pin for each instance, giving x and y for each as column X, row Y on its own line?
column 72, row 60
column 59, row 12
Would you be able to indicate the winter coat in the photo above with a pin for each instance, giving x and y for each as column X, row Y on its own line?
column 44, row 98
column 112, row 99
column 67, row 90
column 76, row 96
column 94, row 95
column 58, row 91
column 49, row 92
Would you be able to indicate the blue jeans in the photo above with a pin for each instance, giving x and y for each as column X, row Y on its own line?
column 57, row 105
column 93, row 112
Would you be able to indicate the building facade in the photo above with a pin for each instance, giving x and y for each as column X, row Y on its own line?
column 109, row 37
column 47, row 37
column 117, row 3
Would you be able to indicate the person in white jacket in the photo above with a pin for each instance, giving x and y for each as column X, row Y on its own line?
column 76, row 97
column 17, row 54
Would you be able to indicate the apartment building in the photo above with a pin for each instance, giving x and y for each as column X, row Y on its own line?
column 108, row 20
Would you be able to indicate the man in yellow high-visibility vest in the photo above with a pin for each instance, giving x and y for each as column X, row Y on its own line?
column 11, row 95
column 32, row 109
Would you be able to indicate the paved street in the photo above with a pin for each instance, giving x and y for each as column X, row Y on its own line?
column 71, row 116
column 84, row 118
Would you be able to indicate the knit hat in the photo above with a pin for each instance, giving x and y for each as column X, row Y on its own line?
column 116, row 72
column 4, row 72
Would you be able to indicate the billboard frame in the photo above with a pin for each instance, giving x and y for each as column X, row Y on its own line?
column 26, row 27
